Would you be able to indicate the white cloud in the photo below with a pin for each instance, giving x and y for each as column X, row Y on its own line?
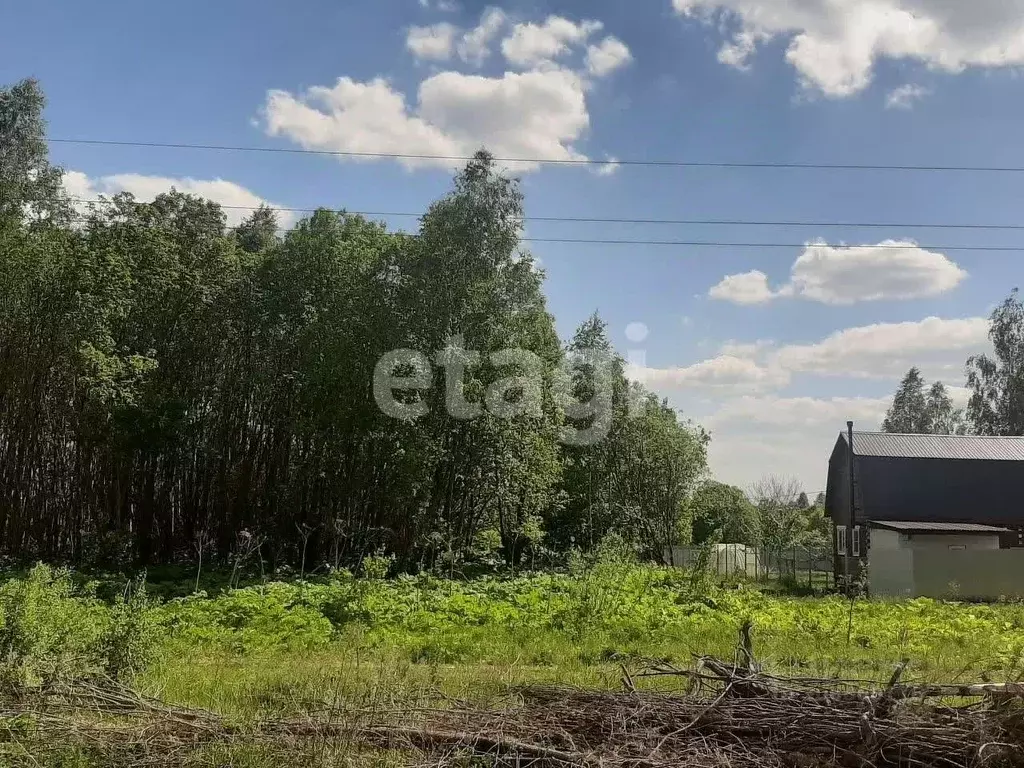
column 746, row 349
column 754, row 436
column 798, row 413
column 444, row 6
column 145, row 188
column 607, row 56
column 835, row 44
column 729, row 373
column 475, row 45
column 538, row 45
column 530, row 115
column 433, row 43
column 746, row 288
column 890, row 270
column 887, row 350
column 905, row 96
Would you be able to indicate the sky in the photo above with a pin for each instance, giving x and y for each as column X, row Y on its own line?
column 772, row 342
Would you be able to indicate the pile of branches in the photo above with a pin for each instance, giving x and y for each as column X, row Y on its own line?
column 734, row 714
column 724, row 714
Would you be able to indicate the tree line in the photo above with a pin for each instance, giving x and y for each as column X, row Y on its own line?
column 173, row 389
column 995, row 384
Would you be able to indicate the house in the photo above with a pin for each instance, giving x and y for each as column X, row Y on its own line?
column 925, row 503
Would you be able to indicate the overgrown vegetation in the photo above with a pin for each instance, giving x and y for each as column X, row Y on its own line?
column 174, row 389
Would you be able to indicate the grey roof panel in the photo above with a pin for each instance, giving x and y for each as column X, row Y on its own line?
column 937, row 446
column 933, row 527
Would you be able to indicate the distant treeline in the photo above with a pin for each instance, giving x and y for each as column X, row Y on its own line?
column 174, row 389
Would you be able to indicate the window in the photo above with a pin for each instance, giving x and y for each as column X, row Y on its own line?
column 855, row 548
column 841, row 539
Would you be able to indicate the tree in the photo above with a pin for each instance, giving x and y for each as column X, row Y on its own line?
column 780, row 522
column 28, row 183
column 996, row 403
column 908, row 412
column 171, row 388
column 913, row 411
column 802, row 502
column 819, row 500
column 724, row 512
column 941, row 417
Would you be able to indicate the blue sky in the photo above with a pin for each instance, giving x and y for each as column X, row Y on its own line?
column 771, row 348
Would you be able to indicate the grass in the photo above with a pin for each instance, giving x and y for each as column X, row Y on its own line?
column 283, row 649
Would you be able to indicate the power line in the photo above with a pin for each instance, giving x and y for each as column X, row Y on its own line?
column 726, row 244
column 672, row 222
column 549, row 161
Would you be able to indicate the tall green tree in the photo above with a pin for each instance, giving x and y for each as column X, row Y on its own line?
column 908, row 413
column 917, row 411
column 724, row 512
column 996, row 382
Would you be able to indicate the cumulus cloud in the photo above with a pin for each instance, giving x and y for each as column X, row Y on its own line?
column 475, row 45
column 890, row 270
column 757, row 435
column 834, row 46
column 729, row 373
column 745, row 288
column 607, row 56
column 537, row 45
column 433, row 43
column 884, row 351
column 537, row 114
column 798, row 413
column 905, row 96
column 749, row 349
column 239, row 202
column 887, row 350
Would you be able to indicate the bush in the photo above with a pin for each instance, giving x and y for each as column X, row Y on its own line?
column 46, row 630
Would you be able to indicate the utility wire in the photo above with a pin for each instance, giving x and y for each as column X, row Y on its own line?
column 723, row 244
column 672, row 222
column 550, row 161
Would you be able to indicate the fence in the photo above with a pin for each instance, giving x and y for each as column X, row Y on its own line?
column 798, row 565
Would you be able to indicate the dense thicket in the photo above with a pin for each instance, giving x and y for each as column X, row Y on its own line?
column 171, row 388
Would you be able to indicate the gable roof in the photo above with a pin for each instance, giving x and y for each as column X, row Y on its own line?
column 937, row 446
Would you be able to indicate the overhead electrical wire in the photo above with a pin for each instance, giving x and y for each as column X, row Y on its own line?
column 670, row 222
column 733, row 244
column 577, row 161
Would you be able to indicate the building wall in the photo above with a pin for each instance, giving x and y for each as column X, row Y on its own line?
column 986, row 575
column 883, row 539
column 891, row 572
column 965, row 574
column 947, row 490
column 943, row 542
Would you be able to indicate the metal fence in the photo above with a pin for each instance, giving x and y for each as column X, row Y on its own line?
column 802, row 566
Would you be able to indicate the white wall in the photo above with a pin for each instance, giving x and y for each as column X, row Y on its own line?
column 939, row 543
column 882, row 538
column 925, row 572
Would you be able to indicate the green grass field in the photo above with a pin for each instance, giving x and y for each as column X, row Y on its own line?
column 282, row 649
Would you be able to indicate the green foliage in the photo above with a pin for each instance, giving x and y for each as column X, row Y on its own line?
column 996, row 404
column 129, row 642
column 176, row 390
column 723, row 512
column 915, row 412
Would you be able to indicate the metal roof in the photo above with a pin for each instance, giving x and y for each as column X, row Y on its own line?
column 930, row 527
column 937, row 446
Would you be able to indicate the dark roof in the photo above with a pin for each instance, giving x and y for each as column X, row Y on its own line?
column 931, row 527
column 937, row 446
